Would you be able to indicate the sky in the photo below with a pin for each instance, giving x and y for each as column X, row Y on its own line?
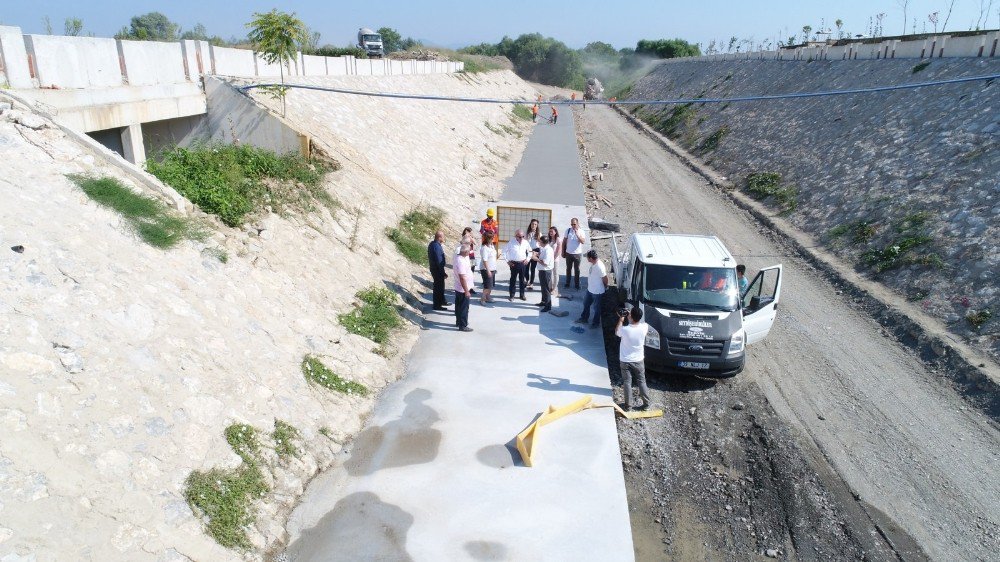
column 455, row 23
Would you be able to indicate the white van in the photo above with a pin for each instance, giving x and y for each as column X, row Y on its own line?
column 686, row 285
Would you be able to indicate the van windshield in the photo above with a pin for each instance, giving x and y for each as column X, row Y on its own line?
column 690, row 288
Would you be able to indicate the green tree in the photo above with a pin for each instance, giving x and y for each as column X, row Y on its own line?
column 667, row 48
column 73, row 26
column 392, row 41
column 600, row 49
column 276, row 36
column 806, row 30
column 153, row 26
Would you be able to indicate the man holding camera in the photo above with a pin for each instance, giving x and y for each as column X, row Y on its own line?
column 631, row 353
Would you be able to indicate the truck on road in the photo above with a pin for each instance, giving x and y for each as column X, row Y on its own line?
column 699, row 321
column 371, row 43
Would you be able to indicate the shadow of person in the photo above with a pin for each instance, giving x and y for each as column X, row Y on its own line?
column 360, row 527
column 564, row 385
column 406, row 441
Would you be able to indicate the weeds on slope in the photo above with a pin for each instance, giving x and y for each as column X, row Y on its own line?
column 768, row 184
column 377, row 316
column 317, row 373
column 522, row 112
column 151, row 219
column 414, row 232
column 234, row 181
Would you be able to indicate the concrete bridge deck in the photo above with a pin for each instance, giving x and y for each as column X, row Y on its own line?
column 435, row 475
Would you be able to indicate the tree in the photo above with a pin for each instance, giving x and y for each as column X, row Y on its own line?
column 600, row 49
column 73, row 27
column 48, row 25
column 933, row 18
column 840, row 25
column 732, row 43
column 806, row 30
column 275, row 36
column 392, row 41
column 903, row 5
column 153, row 26
column 667, row 48
column 944, row 26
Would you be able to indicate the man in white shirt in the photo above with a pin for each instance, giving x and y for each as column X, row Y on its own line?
column 574, row 241
column 517, row 252
column 631, row 354
column 463, row 286
column 597, row 283
column 546, row 261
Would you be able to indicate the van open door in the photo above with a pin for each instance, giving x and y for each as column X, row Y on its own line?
column 618, row 259
column 760, row 303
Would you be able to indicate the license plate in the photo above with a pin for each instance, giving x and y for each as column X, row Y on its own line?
column 692, row 365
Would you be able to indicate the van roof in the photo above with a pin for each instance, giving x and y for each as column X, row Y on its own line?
column 683, row 249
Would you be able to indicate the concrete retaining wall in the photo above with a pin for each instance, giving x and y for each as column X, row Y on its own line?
column 50, row 61
column 234, row 117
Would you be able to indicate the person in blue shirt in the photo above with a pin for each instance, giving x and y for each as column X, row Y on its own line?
column 435, row 256
column 741, row 277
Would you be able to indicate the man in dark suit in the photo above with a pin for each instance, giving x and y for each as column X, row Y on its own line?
column 435, row 255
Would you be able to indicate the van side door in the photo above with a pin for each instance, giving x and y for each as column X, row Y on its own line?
column 760, row 303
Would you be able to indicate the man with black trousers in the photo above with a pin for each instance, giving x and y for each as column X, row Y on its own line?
column 518, row 254
column 435, row 256
column 546, row 260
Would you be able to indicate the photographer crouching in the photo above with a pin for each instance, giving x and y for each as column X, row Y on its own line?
column 631, row 354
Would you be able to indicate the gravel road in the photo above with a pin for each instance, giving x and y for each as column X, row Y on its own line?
column 836, row 442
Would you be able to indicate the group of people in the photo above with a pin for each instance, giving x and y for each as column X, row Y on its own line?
column 532, row 257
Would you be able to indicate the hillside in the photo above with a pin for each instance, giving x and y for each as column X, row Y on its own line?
column 904, row 184
column 124, row 364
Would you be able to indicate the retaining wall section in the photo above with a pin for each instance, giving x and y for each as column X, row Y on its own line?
column 930, row 154
column 51, row 61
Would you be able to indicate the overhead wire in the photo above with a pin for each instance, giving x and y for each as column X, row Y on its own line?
column 677, row 101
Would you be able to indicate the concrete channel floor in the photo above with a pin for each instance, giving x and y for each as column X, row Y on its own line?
column 435, row 474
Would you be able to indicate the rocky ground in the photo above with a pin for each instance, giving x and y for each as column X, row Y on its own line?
column 123, row 364
column 834, row 443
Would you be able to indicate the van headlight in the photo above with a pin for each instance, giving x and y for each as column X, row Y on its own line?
column 736, row 344
column 652, row 338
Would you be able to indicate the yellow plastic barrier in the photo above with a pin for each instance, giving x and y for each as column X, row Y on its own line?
column 526, row 439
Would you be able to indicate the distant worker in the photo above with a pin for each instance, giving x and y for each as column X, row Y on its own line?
column 741, row 277
column 488, row 267
column 597, row 284
column 555, row 115
column 572, row 96
column 539, row 98
column 572, row 251
column 490, row 224
column 435, row 256
column 463, row 287
column 534, row 113
column 545, row 258
column 631, row 354
column 518, row 254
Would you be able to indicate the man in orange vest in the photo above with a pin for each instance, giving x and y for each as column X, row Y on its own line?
column 555, row 115
column 534, row 113
column 490, row 224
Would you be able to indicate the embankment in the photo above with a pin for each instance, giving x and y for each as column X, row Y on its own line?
column 904, row 184
column 123, row 364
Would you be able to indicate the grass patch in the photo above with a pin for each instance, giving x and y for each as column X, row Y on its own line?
column 493, row 129
column 921, row 66
column 977, row 319
column 284, row 436
column 377, row 316
column 326, row 432
column 219, row 254
column 672, row 124
column 225, row 497
column 414, row 232
column 233, row 181
column 768, row 184
column 522, row 112
column 712, row 141
column 316, row 372
column 895, row 253
column 151, row 219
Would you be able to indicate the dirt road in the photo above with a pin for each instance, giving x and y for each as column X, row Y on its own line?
column 835, row 442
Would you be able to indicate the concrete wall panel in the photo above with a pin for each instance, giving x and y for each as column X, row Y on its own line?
column 234, row 115
column 74, row 62
column 313, row 65
column 189, row 50
column 233, row 62
column 910, row 49
column 14, row 58
column 148, row 63
column 965, row 46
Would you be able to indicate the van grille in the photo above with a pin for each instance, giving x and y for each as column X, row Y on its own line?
column 709, row 348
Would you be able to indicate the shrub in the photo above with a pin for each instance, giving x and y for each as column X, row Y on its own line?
column 768, row 184
column 284, row 436
column 377, row 316
column 712, row 141
column 232, row 181
column 977, row 319
column 150, row 219
column 225, row 497
column 921, row 66
column 316, row 372
column 414, row 232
